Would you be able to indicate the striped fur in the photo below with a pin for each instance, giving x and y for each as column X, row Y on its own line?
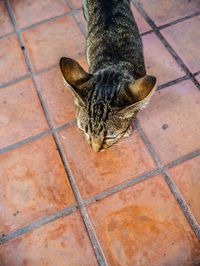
column 113, row 37
column 117, row 87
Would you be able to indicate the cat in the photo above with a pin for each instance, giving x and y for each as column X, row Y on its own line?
column 116, row 87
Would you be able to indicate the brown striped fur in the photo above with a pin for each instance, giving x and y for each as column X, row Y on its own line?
column 116, row 87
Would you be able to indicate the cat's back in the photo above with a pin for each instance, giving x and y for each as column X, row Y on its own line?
column 110, row 15
column 113, row 35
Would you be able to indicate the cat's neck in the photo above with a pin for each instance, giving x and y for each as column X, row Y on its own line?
column 123, row 68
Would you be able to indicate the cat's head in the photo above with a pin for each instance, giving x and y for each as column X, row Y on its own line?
column 106, row 101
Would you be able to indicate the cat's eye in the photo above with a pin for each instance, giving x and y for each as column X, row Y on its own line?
column 110, row 137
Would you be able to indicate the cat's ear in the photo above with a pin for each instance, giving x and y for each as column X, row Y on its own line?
column 139, row 93
column 75, row 76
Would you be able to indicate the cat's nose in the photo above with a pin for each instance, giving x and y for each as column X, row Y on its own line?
column 96, row 145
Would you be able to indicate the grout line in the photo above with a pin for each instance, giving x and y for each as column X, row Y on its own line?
column 15, row 81
column 43, row 70
column 36, row 73
column 23, row 142
column 76, row 18
column 172, row 82
column 17, row 31
column 7, row 35
column 183, row 204
column 81, row 27
column 197, row 73
column 183, row 159
column 68, row 2
column 165, row 43
column 147, row 143
column 39, row 23
column 120, row 187
column 67, row 125
column 36, row 24
column 145, row 33
column 37, row 224
column 72, row 7
column 175, row 192
column 178, row 20
column 36, row 137
column 77, row 9
column 27, row 76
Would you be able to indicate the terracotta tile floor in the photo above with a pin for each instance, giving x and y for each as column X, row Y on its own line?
column 137, row 203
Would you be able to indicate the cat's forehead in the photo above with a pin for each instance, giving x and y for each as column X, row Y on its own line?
column 99, row 111
column 103, row 93
column 108, row 76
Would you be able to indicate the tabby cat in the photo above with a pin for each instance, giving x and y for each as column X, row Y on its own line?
column 116, row 87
